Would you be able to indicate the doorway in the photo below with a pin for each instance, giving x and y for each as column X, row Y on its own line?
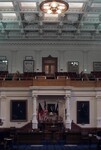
column 49, row 66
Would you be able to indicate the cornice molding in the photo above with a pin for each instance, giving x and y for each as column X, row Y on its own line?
column 46, row 42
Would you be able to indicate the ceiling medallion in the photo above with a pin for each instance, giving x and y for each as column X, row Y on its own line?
column 54, row 6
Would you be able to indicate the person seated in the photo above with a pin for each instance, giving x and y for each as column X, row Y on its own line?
column 16, row 75
column 83, row 76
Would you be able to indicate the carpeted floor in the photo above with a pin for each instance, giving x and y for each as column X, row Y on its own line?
column 53, row 147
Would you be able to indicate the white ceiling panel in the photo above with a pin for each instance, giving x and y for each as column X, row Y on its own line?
column 24, row 19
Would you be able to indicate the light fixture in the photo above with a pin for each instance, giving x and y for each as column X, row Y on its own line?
column 54, row 6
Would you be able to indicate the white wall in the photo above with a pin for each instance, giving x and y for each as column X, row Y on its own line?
column 85, row 55
column 77, row 94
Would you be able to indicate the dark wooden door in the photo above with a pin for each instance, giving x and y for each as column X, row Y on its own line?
column 49, row 65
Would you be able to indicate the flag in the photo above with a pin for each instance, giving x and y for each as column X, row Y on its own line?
column 45, row 110
column 40, row 112
column 45, row 105
column 56, row 109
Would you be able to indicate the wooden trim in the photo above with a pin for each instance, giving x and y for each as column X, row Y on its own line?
column 53, row 60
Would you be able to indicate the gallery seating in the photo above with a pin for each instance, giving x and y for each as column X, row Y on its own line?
column 59, row 75
column 5, row 75
column 9, row 76
column 96, row 74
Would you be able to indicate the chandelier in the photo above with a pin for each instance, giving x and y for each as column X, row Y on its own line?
column 54, row 6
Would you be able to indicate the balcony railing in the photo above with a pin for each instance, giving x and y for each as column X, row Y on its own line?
column 49, row 82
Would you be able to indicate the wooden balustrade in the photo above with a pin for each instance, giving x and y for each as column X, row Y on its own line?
column 49, row 82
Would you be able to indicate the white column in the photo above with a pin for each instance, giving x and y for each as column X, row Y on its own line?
column 98, row 113
column 68, row 120
column 3, row 108
column 34, row 117
column 0, row 106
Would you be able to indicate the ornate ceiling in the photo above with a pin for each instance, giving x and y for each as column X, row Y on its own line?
column 21, row 20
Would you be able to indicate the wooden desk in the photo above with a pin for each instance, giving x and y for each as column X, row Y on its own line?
column 29, row 137
column 8, row 143
column 48, row 126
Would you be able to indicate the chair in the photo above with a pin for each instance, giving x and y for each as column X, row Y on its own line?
column 8, row 142
column 98, row 137
column 1, row 141
column 84, row 137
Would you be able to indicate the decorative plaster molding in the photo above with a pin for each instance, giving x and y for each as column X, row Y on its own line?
column 45, row 42
column 68, row 93
column 34, row 94
column 98, row 98
column 98, row 95
column 3, row 96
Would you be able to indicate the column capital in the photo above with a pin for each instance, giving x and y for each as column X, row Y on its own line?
column 68, row 94
column 3, row 96
column 98, row 94
column 98, row 97
column 34, row 94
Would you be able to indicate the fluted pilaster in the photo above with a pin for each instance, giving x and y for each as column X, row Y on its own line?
column 34, row 116
column 68, row 120
column 98, row 113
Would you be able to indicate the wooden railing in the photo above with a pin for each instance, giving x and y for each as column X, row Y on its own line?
column 66, row 82
column 16, row 83
column 49, row 82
